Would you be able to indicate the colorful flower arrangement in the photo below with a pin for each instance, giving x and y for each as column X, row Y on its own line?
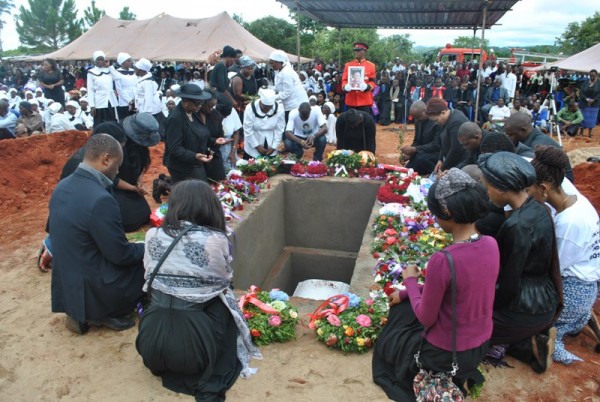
column 234, row 191
column 372, row 173
column 158, row 216
column 312, row 169
column 252, row 166
column 343, row 163
column 269, row 315
column 349, row 322
column 394, row 190
column 257, row 178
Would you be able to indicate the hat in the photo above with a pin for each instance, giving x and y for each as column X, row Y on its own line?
column 33, row 102
column 360, row 46
column 122, row 57
column 143, row 64
column 312, row 97
column 246, row 61
column 83, row 89
column 279, row 55
column 73, row 103
column 12, row 90
column 111, row 128
column 38, row 90
column 83, row 99
column 98, row 53
column 55, row 108
column 193, row 91
column 142, row 128
column 330, row 106
column 228, row 51
column 26, row 105
column 267, row 96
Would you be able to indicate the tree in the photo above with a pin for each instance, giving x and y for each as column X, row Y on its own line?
column 276, row 32
column 125, row 14
column 6, row 7
column 48, row 24
column 92, row 14
column 334, row 44
column 580, row 36
column 469, row 42
column 389, row 47
column 239, row 19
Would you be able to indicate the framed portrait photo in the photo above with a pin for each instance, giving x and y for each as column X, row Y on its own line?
column 356, row 76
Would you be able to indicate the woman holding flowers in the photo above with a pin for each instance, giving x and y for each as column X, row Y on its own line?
column 193, row 333
column 425, row 312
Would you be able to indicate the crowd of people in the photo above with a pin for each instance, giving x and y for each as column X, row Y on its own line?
column 503, row 189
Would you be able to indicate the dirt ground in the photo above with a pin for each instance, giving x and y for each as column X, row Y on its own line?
column 41, row 360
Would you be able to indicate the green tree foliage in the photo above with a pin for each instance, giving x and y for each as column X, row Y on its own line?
column 6, row 7
column 126, row 14
column 92, row 14
column 238, row 18
column 277, row 32
column 580, row 36
column 388, row 48
column 48, row 24
column 471, row 43
column 308, row 29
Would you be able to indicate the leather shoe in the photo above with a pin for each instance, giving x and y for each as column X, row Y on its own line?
column 75, row 326
column 116, row 324
column 543, row 349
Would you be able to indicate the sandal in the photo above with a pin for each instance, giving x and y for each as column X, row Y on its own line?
column 44, row 260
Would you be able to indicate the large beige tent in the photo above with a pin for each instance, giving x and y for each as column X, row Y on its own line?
column 583, row 61
column 165, row 38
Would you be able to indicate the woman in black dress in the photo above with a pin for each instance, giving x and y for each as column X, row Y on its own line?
column 51, row 81
column 189, row 141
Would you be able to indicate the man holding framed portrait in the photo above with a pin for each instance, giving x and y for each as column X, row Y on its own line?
column 358, row 80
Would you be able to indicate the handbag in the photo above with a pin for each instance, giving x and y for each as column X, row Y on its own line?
column 164, row 257
column 429, row 386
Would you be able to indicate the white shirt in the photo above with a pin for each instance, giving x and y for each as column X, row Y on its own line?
column 303, row 128
column 60, row 122
column 257, row 130
column 13, row 103
column 578, row 240
column 510, row 84
column 80, row 118
column 331, row 135
column 100, row 88
column 125, row 85
column 199, row 82
column 289, row 88
column 147, row 99
column 231, row 124
column 497, row 113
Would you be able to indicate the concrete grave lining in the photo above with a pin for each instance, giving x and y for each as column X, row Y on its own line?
column 307, row 229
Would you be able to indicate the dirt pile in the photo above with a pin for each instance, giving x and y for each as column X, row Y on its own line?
column 30, row 167
column 587, row 179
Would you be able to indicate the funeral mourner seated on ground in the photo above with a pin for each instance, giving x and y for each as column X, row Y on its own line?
column 193, row 334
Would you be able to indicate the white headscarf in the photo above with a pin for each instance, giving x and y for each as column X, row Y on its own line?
column 98, row 53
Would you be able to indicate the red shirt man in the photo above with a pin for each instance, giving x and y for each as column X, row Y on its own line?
column 360, row 98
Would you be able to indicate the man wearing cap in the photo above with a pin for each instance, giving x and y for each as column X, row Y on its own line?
column 101, row 96
column 29, row 123
column 288, row 86
column 219, row 80
column 243, row 84
column 361, row 96
column 147, row 99
column 264, row 121
column 305, row 129
column 125, row 84
column 97, row 273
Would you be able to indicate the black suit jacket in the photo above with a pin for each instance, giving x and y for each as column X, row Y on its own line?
column 96, row 271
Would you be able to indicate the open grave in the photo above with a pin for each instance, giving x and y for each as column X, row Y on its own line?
column 306, row 229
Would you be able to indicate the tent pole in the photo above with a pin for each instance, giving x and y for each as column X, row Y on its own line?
column 473, row 44
column 339, row 47
column 485, row 7
column 298, row 33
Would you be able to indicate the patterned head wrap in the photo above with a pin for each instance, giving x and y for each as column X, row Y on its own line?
column 454, row 181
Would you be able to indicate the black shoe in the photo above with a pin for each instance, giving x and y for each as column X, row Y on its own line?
column 593, row 159
column 543, row 349
column 116, row 324
column 75, row 326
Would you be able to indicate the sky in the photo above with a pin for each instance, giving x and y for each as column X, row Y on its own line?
column 531, row 22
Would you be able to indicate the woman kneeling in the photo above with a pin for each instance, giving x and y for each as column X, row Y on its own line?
column 193, row 334
column 457, row 201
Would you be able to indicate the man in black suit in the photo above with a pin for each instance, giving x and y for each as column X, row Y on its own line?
column 97, row 274
column 423, row 153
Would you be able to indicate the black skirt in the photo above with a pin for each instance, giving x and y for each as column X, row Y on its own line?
column 394, row 366
column 191, row 346
column 104, row 114
column 135, row 211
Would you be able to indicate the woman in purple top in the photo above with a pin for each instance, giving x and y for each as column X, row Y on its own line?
column 457, row 201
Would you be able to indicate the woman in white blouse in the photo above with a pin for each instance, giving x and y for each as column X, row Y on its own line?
column 101, row 95
column 264, row 123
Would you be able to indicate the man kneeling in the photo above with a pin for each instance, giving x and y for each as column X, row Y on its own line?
column 306, row 128
column 97, row 274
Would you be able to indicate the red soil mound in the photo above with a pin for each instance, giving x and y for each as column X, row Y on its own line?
column 588, row 181
column 30, row 167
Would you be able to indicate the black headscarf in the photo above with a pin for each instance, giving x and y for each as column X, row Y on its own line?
column 507, row 171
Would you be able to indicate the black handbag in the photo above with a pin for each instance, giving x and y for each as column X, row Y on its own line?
column 429, row 386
